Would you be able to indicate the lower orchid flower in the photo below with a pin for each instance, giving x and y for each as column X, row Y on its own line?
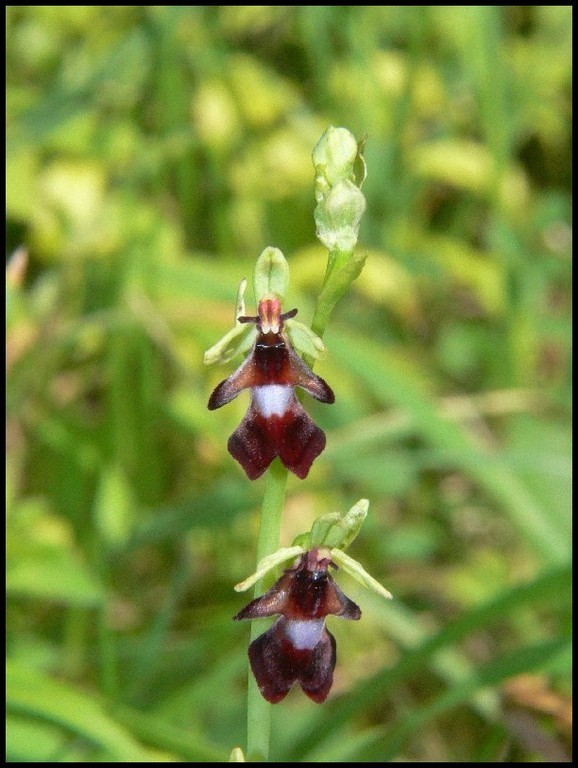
column 298, row 648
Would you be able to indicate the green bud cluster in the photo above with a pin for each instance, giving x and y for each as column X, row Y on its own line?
column 340, row 203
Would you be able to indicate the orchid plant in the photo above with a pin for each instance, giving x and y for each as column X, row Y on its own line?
column 277, row 435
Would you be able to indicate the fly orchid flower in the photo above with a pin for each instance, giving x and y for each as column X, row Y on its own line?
column 298, row 648
column 275, row 423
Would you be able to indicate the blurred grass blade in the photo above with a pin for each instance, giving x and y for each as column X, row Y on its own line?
column 549, row 586
column 456, row 447
column 190, row 746
column 531, row 658
column 35, row 695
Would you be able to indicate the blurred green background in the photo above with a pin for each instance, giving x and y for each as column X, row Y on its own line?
column 152, row 153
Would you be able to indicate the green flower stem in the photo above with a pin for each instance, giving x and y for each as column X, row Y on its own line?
column 342, row 269
column 258, row 709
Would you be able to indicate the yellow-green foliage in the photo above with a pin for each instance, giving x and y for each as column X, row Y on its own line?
column 153, row 152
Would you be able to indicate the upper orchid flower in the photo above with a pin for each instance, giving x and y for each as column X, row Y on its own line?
column 275, row 423
column 298, row 648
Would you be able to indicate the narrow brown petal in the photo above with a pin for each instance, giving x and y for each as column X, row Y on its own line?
column 227, row 390
column 303, row 376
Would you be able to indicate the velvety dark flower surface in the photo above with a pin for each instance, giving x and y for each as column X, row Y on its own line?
column 298, row 648
column 275, row 423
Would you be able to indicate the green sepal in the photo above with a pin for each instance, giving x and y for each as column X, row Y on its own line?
column 271, row 274
column 302, row 540
column 355, row 569
column 336, row 530
column 238, row 340
column 267, row 564
column 326, row 531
